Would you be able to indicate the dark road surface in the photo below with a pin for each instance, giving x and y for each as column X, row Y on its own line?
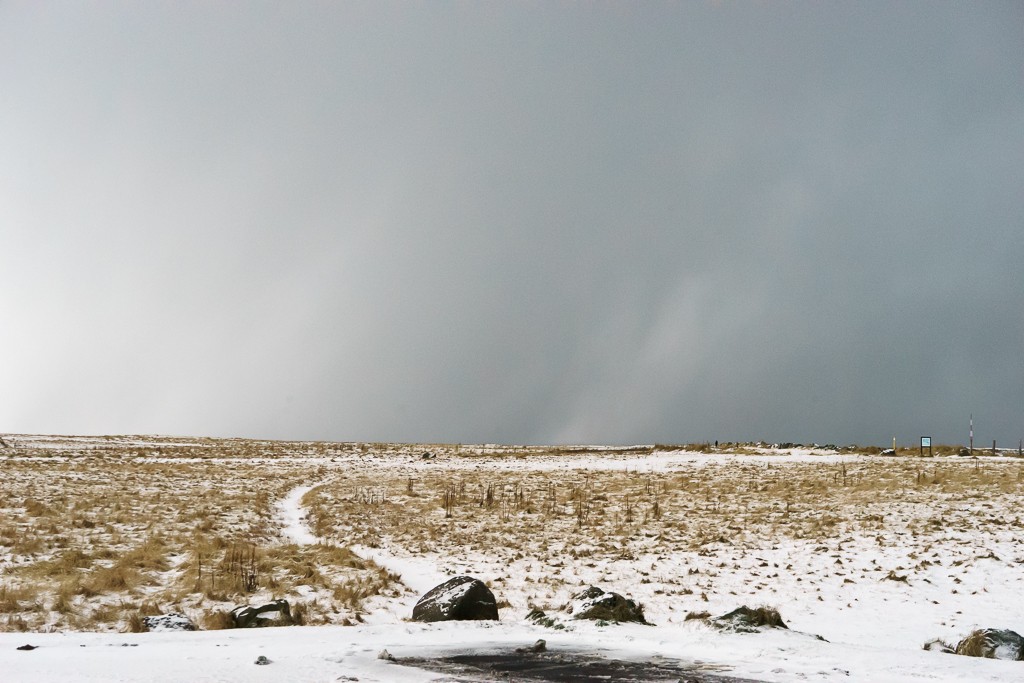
column 563, row 666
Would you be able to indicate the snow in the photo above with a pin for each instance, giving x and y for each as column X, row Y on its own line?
column 328, row 653
column 293, row 517
column 875, row 628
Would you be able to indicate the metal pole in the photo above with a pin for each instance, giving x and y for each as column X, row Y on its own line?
column 972, row 433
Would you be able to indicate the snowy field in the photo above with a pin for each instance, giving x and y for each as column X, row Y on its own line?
column 877, row 555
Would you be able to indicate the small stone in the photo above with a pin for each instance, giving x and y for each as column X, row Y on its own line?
column 173, row 621
column 262, row 661
column 27, row 647
column 540, row 646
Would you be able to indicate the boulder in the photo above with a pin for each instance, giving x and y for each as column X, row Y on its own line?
column 601, row 605
column 173, row 621
column 746, row 620
column 276, row 613
column 992, row 643
column 460, row 599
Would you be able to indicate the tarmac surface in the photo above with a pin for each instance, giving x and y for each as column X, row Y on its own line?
column 560, row 666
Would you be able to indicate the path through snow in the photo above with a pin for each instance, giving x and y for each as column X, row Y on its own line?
column 293, row 517
column 419, row 575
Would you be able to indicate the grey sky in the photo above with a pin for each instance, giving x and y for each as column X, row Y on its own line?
column 514, row 222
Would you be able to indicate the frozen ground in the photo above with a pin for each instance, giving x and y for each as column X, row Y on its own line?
column 875, row 582
column 334, row 653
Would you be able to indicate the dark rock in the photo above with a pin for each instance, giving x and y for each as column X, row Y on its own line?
column 937, row 645
column 27, row 648
column 746, row 620
column 460, row 599
column 262, row 661
column 600, row 605
column 169, row 622
column 276, row 613
column 540, row 646
column 992, row 643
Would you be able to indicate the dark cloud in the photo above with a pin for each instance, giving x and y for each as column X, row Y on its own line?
column 510, row 223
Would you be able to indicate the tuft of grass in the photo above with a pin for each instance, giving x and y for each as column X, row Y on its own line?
column 352, row 592
column 35, row 508
column 216, row 620
column 135, row 623
column 115, row 579
column 15, row 599
column 15, row 622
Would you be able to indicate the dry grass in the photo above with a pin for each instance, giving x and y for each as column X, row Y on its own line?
column 798, row 500
column 90, row 524
column 216, row 620
column 96, row 533
column 557, row 528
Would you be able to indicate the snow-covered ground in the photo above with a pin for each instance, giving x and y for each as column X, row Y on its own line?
column 335, row 653
column 874, row 625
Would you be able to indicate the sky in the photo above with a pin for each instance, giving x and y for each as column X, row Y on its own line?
column 522, row 222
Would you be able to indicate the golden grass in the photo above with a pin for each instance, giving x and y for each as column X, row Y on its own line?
column 534, row 519
column 216, row 620
column 101, row 529
column 182, row 525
